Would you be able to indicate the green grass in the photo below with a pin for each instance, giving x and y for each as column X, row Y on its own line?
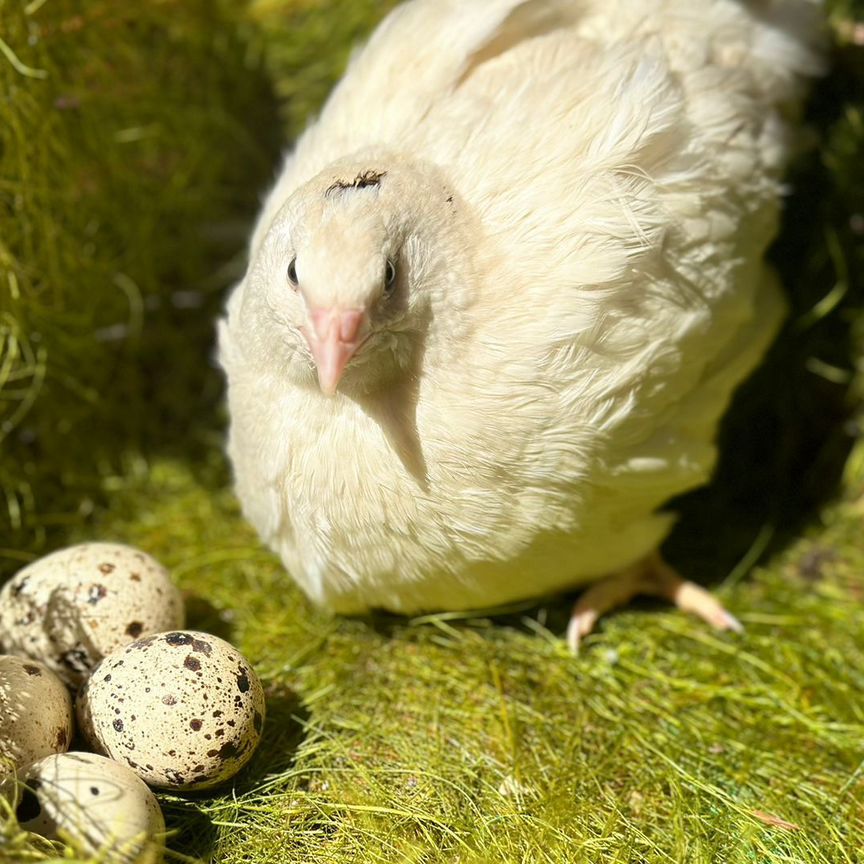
column 134, row 141
column 477, row 738
column 459, row 738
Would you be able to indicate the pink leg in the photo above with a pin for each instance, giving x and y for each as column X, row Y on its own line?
column 655, row 578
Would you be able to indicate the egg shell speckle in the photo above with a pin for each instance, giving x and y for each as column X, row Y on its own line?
column 96, row 805
column 183, row 709
column 35, row 713
column 74, row 606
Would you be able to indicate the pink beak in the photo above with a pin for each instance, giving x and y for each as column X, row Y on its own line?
column 334, row 342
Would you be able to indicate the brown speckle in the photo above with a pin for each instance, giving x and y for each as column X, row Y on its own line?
column 195, row 724
column 201, row 646
column 134, row 629
column 107, row 568
column 95, row 593
column 192, row 663
column 169, row 699
column 118, row 725
column 228, row 750
column 32, row 670
column 243, row 682
column 363, row 180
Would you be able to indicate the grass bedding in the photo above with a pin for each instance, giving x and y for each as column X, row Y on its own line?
column 127, row 173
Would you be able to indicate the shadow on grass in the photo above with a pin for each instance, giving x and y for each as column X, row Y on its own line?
column 201, row 614
column 192, row 818
column 191, row 831
column 284, row 731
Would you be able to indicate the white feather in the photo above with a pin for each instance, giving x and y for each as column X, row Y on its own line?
column 584, row 191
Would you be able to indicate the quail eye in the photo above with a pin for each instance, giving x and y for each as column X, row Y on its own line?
column 292, row 272
column 389, row 277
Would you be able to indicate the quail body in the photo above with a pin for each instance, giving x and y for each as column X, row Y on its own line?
column 502, row 292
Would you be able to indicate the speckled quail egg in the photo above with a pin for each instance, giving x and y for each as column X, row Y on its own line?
column 35, row 713
column 183, row 709
column 97, row 806
column 74, row 606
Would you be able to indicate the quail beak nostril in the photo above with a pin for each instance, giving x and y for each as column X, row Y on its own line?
column 350, row 322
